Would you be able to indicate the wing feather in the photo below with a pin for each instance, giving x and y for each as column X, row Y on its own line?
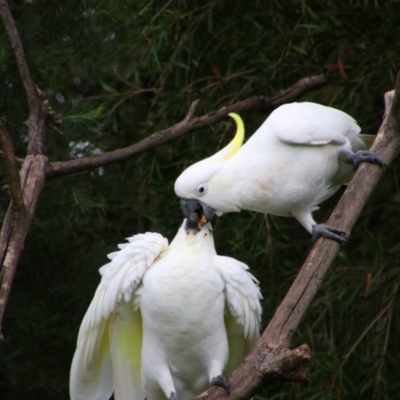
column 313, row 124
column 243, row 313
column 126, row 347
column 91, row 375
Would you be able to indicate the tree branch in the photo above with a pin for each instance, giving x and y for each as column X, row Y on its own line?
column 189, row 124
column 252, row 374
column 17, row 223
column 36, row 120
column 12, row 168
column 26, row 187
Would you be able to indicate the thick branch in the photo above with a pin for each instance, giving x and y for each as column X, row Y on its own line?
column 12, row 168
column 189, row 124
column 274, row 365
column 17, row 223
column 36, row 119
column 291, row 310
column 251, row 375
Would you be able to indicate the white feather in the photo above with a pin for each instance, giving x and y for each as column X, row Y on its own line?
column 165, row 320
column 294, row 161
column 91, row 376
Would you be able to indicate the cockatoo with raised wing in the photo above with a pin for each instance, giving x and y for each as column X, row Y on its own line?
column 298, row 158
column 166, row 322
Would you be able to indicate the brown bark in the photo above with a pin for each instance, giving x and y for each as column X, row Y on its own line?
column 264, row 365
column 17, row 223
column 36, row 126
column 25, row 188
column 12, row 168
column 189, row 124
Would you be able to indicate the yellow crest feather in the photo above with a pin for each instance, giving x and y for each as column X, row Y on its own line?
column 234, row 146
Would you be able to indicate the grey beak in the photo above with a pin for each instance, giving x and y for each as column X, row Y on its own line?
column 194, row 210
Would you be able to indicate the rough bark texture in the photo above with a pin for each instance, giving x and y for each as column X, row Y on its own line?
column 12, row 168
column 17, row 223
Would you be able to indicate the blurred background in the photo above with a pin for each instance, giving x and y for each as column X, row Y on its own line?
column 117, row 71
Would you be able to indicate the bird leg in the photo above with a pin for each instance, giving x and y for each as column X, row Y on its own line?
column 173, row 396
column 361, row 156
column 221, row 380
column 328, row 232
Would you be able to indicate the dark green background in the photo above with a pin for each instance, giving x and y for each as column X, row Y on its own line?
column 91, row 58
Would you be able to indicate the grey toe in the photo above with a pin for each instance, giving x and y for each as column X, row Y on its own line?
column 328, row 232
column 221, row 380
column 173, row 396
column 361, row 156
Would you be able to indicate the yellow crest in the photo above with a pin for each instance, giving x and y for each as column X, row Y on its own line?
column 239, row 137
column 233, row 147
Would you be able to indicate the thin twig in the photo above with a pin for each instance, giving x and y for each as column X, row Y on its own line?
column 19, row 159
column 185, row 126
column 129, row 94
column 355, row 344
column 36, row 118
column 16, row 44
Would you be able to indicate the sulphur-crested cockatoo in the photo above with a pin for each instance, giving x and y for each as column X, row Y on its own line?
column 166, row 321
column 299, row 157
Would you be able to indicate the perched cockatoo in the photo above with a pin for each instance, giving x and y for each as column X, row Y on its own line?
column 166, row 321
column 299, row 157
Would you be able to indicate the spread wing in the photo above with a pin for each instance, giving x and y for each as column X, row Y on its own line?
column 243, row 314
column 110, row 334
column 314, row 124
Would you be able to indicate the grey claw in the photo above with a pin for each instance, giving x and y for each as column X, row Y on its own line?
column 328, row 232
column 361, row 156
column 173, row 396
column 221, row 380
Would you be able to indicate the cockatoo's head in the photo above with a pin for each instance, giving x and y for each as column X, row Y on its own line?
column 202, row 190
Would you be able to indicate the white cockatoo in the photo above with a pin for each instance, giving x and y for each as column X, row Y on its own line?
column 166, row 321
column 299, row 157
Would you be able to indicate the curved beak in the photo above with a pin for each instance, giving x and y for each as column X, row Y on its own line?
column 197, row 213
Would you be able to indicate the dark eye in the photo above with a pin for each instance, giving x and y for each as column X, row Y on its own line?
column 201, row 189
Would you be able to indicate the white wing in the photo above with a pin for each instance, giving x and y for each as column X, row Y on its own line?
column 243, row 318
column 105, row 320
column 313, row 124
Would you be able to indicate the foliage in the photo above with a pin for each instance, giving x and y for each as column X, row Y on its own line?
column 117, row 71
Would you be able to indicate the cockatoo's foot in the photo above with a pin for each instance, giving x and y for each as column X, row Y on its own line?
column 361, row 156
column 173, row 396
column 329, row 232
column 221, row 380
